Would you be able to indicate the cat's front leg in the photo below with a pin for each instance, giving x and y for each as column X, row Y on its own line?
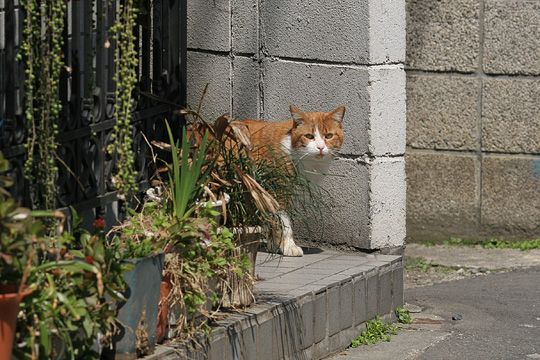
column 282, row 237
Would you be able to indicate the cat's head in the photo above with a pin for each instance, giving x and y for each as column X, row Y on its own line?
column 317, row 134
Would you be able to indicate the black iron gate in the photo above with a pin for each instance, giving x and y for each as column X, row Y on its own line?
column 87, row 95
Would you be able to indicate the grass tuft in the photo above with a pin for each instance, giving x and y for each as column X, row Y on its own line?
column 522, row 245
column 423, row 265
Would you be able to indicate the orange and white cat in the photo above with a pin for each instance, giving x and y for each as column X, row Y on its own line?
column 311, row 139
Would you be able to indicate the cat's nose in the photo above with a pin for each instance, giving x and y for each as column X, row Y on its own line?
column 320, row 147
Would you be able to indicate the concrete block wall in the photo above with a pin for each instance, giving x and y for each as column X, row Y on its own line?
column 473, row 119
column 259, row 56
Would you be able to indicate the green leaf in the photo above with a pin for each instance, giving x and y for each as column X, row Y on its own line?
column 88, row 326
column 44, row 338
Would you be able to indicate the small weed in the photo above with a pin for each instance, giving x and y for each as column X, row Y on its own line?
column 495, row 243
column 423, row 265
column 417, row 263
column 376, row 331
column 403, row 315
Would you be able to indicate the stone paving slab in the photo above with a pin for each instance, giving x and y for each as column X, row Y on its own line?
column 306, row 308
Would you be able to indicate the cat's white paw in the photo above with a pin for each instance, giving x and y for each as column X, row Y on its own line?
column 291, row 249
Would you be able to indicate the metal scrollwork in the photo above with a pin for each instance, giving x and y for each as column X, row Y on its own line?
column 86, row 168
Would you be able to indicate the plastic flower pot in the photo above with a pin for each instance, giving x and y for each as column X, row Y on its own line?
column 139, row 313
column 9, row 309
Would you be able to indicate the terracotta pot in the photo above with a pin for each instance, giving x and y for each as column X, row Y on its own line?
column 9, row 308
column 163, row 309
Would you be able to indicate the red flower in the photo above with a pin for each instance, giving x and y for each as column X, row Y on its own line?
column 89, row 259
column 99, row 224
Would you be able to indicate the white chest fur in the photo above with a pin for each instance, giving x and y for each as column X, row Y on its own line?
column 312, row 165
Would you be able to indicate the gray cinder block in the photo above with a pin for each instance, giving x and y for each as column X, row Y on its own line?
column 208, row 25
column 442, row 112
column 443, row 35
column 213, row 70
column 244, row 26
column 510, row 196
column 511, row 37
column 511, row 115
column 245, row 88
column 442, row 194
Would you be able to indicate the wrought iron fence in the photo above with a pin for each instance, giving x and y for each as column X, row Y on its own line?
column 87, row 95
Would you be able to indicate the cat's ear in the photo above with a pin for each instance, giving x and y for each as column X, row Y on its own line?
column 338, row 114
column 297, row 115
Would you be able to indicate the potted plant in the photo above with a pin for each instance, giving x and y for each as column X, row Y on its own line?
column 201, row 252
column 140, row 241
column 59, row 281
column 76, row 281
column 17, row 232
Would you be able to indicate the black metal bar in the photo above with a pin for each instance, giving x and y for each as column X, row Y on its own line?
column 2, row 70
column 87, row 94
column 182, row 58
column 157, row 27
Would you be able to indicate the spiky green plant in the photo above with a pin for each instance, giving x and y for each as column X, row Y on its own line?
column 184, row 177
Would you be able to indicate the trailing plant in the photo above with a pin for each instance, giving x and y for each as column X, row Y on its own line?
column 126, row 62
column 41, row 51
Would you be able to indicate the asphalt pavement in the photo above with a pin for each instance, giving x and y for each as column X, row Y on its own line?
column 494, row 316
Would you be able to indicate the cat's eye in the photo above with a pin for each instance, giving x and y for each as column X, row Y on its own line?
column 329, row 136
column 309, row 136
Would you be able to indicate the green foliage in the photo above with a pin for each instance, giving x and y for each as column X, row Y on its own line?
column 41, row 51
column 185, row 178
column 71, row 304
column 203, row 255
column 403, row 315
column 72, row 280
column 423, row 265
column 417, row 263
column 376, row 331
column 18, row 232
column 258, row 186
column 495, row 243
column 126, row 62
column 143, row 233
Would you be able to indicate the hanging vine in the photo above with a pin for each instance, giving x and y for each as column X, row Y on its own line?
column 126, row 62
column 41, row 51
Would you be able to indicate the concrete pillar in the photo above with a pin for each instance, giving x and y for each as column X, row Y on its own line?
column 262, row 55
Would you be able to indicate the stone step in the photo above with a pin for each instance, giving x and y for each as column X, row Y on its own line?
column 306, row 308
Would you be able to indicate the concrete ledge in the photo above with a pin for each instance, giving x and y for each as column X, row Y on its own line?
column 307, row 308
